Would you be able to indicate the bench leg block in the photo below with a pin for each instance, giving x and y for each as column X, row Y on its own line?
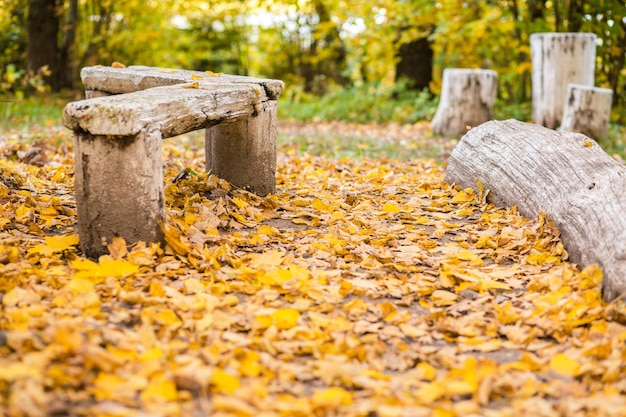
column 243, row 152
column 119, row 189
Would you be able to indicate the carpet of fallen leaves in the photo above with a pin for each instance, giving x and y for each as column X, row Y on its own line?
column 361, row 288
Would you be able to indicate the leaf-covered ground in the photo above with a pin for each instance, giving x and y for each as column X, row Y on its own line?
column 361, row 288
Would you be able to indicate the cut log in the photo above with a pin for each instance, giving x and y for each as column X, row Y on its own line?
column 566, row 175
column 467, row 97
column 587, row 110
column 559, row 59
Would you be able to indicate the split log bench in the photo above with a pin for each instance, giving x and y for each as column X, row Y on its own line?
column 118, row 131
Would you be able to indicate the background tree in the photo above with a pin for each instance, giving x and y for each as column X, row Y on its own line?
column 43, row 30
column 316, row 46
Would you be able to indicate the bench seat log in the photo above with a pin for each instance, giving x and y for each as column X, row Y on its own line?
column 118, row 163
column 101, row 80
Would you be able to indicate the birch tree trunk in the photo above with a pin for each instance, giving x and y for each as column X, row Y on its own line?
column 587, row 110
column 566, row 175
column 467, row 97
column 559, row 59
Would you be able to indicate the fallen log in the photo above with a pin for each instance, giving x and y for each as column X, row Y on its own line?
column 566, row 175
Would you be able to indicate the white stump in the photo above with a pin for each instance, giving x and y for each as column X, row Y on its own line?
column 587, row 110
column 558, row 60
column 467, row 97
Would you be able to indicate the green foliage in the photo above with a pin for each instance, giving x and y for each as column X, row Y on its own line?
column 31, row 113
column 368, row 102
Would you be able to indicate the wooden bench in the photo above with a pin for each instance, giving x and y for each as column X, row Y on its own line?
column 118, row 131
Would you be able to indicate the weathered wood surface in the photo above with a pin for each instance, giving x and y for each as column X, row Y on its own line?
column 109, row 80
column 587, row 110
column 467, row 97
column 175, row 109
column 566, row 175
column 559, row 59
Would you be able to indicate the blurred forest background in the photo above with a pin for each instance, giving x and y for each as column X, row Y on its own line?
column 322, row 49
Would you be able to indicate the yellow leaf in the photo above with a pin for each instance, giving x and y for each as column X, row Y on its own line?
column 167, row 317
column 268, row 259
column 195, row 77
column 466, row 255
column 109, row 386
column 160, row 389
column 19, row 297
column 267, row 230
column 319, row 205
column 224, row 382
column 239, row 202
column 591, row 277
column 190, row 85
column 55, row 244
column 331, row 398
column 214, row 74
column 276, row 277
column 426, row 371
column 79, row 285
column 118, row 65
column 443, row 298
column 117, row 247
column 587, row 143
column 428, row 393
column 391, row 208
column 174, row 239
column 285, row 318
column 464, row 196
column 106, row 267
column 250, row 365
column 564, row 365
column 18, row 370
column 487, row 284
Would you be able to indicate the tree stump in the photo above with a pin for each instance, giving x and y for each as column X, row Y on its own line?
column 566, row 175
column 467, row 97
column 558, row 60
column 587, row 110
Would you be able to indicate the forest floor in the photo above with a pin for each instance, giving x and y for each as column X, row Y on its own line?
column 362, row 287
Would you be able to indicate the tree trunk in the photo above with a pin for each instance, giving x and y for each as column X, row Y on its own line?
column 587, row 110
column 416, row 63
column 467, row 97
column 558, row 60
column 566, row 175
column 43, row 28
column 67, row 65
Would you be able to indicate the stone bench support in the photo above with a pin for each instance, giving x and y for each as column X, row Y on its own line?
column 118, row 133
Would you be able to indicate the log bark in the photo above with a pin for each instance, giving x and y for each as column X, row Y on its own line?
column 566, row 175
column 587, row 110
column 467, row 97
column 559, row 59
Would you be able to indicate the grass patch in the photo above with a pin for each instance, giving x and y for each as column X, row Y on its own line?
column 376, row 122
column 367, row 103
column 31, row 113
